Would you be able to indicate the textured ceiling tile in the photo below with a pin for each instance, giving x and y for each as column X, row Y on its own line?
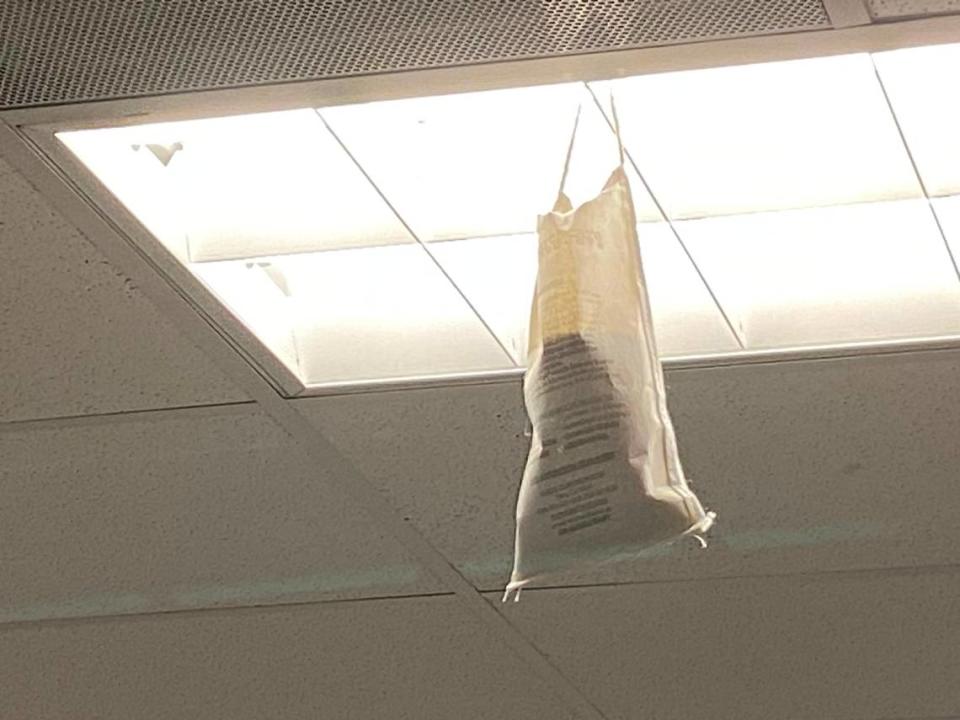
column 180, row 509
column 448, row 458
column 843, row 646
column 892, row 9
column 77, row 335
column 821, row 465
column 818, row 465
column 409, row 659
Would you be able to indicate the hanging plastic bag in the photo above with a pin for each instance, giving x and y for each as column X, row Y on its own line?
column 603, row 479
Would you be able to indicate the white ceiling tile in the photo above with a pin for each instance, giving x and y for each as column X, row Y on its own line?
column 242, row 186
column 864, row 646
column 176, row 510
column 449, row 458
column 761, row 137
column 910, row 9
column 378, row 313
column 462, row 166
column 78, row 336
column 804, row 463
column 404, row 659
column 919, row 82
column 871, row 271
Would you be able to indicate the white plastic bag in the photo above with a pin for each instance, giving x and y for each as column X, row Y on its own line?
column 603, row 479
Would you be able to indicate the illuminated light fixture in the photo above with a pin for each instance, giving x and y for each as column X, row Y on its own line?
column 686, row 320
column 481, row 164
column 773, row 136
column 948, row 215
column 252, row 185
column 921, row 83
column 870, row 271
column 396, row 240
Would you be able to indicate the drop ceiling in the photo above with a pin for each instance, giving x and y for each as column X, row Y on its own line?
column 178, row 537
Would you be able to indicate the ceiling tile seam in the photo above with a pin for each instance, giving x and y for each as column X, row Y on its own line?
column 436, row 262
column 112, row 241
column 913, row 164
column 55, row 422
column 495, row 593
column 734, row 331
column 207, row 610
column 826, row 575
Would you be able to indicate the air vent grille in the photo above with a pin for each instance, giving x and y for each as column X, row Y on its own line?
column 62, row 51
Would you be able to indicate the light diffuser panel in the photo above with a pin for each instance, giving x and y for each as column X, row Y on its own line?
column 948, row 214
column 382, row 313
column 750, row 138
column 872, row 271
column 922, row 85
column 480, row 164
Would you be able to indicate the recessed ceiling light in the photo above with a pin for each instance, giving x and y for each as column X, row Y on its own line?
column 802, row 133
column 397, row 239
column 921, row 83
column 870, row 271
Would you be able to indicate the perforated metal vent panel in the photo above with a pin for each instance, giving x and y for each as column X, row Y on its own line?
column 60, row 51
column 891, row 9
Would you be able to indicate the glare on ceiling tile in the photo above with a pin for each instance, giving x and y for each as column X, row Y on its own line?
column 122, row 162
column 921, row 83
column 382, row 313
column 479, row 164
column 247, row 289
column 872, row 271
column 948, row 214
column 248, row 185
column 749, row 138
column 685, row 318
column 499, row 275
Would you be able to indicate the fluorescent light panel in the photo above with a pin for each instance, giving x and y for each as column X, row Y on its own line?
column 803, row 133
column 254, row 185
column 922, row 86
column 397, row 239
column 482, row 164
column 830, row 275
